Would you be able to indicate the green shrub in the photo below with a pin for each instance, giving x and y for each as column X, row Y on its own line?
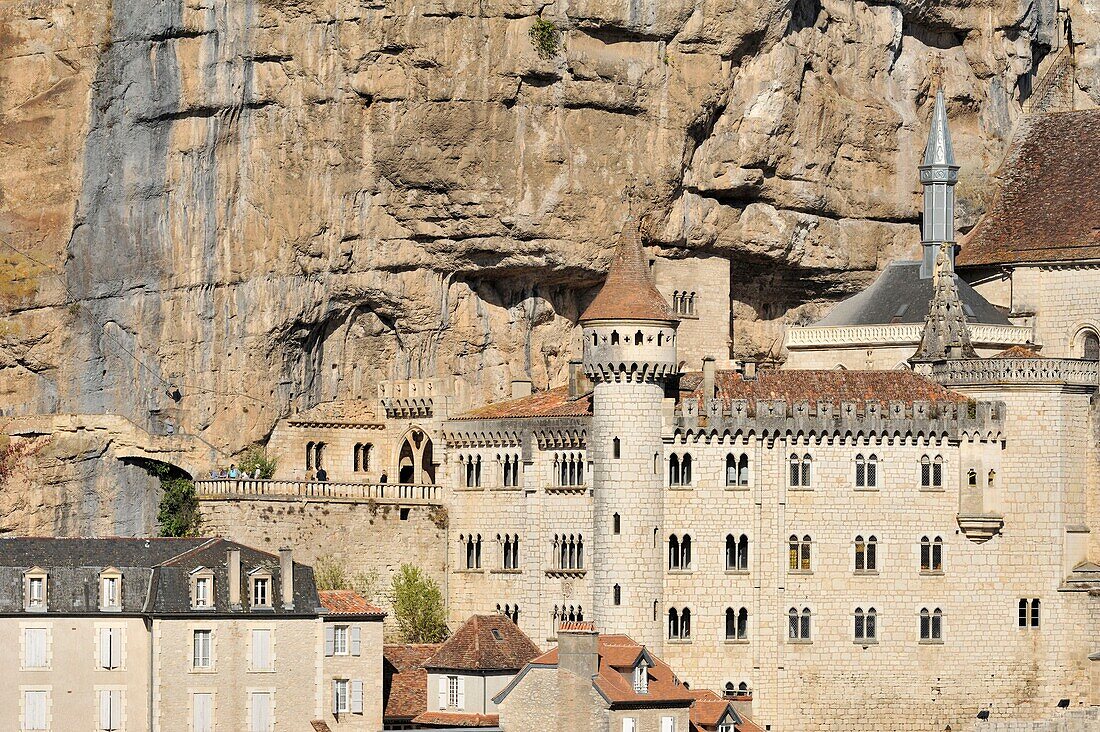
column 545, row 37
column 255, row 458
column 179, row 508
column 330, row 573
column 418, row 606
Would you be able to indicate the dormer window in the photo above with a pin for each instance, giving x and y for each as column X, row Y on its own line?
column 34, row 590
column 110, row 590
column 202, row 589
column 261, row 588
column 641, row 678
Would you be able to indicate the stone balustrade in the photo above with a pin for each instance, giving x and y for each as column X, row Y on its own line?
column 992, row 371
column 250, row 488
column 898, row 333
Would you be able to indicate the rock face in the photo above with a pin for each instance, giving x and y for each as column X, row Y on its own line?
column 217, row 212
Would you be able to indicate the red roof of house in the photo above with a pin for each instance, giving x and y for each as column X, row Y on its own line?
column 552, row 403
column 485, row 643
column 456, row 719
column 709, row 709
column 1017, row 352
column 1048, row 205
column 618, row 654
column 833, row 386
column 628, row 293
column 407, row 692
column 347, row 602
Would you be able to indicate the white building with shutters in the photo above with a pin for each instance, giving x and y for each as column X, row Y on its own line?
column 173, row 635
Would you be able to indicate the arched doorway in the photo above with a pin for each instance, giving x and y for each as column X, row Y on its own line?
column 414, row 461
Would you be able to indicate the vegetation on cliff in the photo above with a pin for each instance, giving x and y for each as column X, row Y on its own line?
column 418, row 606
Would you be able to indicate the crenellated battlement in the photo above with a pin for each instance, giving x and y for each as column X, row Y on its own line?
column 414, row 398
column 774, row 418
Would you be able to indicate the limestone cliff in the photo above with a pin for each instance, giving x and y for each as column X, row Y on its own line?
column 219, row 211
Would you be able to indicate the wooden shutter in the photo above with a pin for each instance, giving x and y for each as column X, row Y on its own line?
column 201, row 713
column 104, row 709
column 34, row 703
column 462, row 693
column 668, row 724
column 442, row 692
column 105, row 648
column 330, row 640
column 355, row 640
column 357, row 696
column 261, row 712
column 335, row 697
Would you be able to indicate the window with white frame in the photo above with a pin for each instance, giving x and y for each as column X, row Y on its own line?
column 110, row 710
column 261, row 590
column 641, row 678
column 36, row 709
column 668, row 724
column 202, row 647
column 36, row 643
column 261, row 717
column 35, row 591
column 630, row 724
column 866, row 624
column 262, row 657
column 455, row 692
column 202, row 712
column 340, row 640
column 341, row 696
column 110, row 591
column 202, row 590
column 110, row 648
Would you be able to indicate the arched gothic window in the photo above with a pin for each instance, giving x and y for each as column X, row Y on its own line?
column 509, row 546
column 799, row 553
column 472, row 547
column 569, row 551
column 1090, row 346
column 866, row 624
column 800, row 470
column 737, row 624
column 931, row 554
column 931, row 624
column 679, row 552
column 679, row 624
column 866, row 471
column 737, row 552
column 798, row 624
column 866, row 554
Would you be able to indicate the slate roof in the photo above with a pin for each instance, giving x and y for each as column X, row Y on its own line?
column 551, row 403
column 1048, row 205
column 347, row 602
column 899, row 295
column 628, row 292
column 484, row 643
column 405, row 683
column 155, row 575
column 832, row 386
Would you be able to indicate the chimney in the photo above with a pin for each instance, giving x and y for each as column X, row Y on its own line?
column 579, row 385
column 233, row 562
column 521, row 388
column 578, row 649
column 749, row 370
column 709, row 369
column 286, row 577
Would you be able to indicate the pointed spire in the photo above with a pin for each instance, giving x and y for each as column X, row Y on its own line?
column 628, row 293
column 938, row 150
column 946, row 332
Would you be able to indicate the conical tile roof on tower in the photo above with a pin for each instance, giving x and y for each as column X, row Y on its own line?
column 628, row 292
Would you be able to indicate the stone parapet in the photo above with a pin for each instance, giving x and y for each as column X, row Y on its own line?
column 547, row 432
column 776, row 417
column 1009, row 371
column 244, row 489
column 900, row 333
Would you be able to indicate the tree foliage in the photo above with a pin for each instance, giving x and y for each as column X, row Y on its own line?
column 545, row 37
column 256, row 458
column 179, row 508
column 330, row 573
column 418, row 606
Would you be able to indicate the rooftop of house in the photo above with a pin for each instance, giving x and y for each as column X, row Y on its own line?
column 833, row 386
column 156, row 575
column 628, row 292
column 484, row 643
column 901, row 296
column 405, row 686
column 456, row 719
column 349, row 412
column 710, row 710
column 1047, row 206
column 1018, row 352
column 347, row 602
column 551, row 403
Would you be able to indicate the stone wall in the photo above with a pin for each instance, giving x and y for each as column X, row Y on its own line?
column 706, row 332
column 365, row 537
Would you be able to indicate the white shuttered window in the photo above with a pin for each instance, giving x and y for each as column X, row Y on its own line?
column 261, row 649
column 110, row 648
column 110, row 710
column 34, row 709
column 34, row 648
column 261, row 712
column 202, row 712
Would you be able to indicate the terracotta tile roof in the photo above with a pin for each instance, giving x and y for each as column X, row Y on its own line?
column 628, row 292
column 1017, row 352
column 552, row 403
column 575, row 625
column 485, row 643
column 406, row 692
column 709, row 709
column 347, row 602
column 833, row 386
column 1048, row 204
column 320, row 725
column 618, row 654
column 456, row 719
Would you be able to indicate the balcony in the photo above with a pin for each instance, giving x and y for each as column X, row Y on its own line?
column 291, row 490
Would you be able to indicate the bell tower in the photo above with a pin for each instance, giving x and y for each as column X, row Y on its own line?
column 629, row 352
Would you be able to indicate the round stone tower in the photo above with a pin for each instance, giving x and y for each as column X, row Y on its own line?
column 629, row 353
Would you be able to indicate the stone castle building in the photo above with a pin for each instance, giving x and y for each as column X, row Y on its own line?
column 898, row 527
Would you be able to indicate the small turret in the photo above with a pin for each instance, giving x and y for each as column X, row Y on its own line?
column 946, row 332
column 938, row 175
